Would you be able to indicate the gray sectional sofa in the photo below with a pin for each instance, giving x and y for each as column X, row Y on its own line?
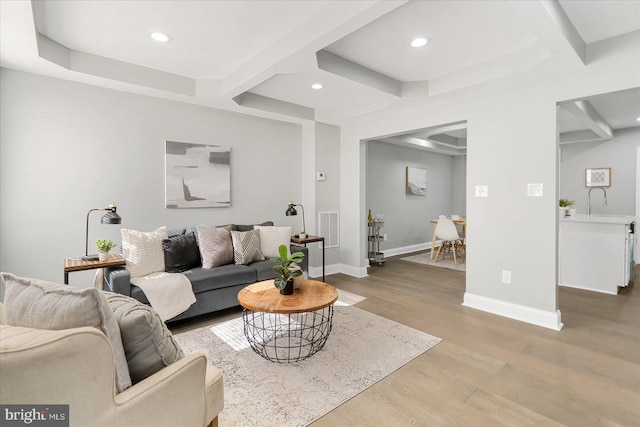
column 215, row 288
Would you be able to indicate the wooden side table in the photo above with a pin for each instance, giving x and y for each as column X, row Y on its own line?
column 311, row 239
column 78, row 264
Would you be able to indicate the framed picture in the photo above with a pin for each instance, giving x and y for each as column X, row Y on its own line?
column 416, row 181
column 197, row 175
column 600, row 177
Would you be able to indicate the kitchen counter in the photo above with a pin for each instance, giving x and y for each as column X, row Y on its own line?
column 600, row 219
column 596, row 252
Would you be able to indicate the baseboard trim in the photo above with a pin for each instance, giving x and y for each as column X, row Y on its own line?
column 409, row 249
column 316, row 272
column 546, row 319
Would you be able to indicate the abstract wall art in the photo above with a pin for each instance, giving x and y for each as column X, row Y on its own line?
column 197, row 175
column 416, row 181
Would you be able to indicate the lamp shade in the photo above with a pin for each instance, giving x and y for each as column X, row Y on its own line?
column 111, row 217
column 291, row 211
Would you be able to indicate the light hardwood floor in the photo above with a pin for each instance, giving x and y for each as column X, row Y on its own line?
column 493, row 371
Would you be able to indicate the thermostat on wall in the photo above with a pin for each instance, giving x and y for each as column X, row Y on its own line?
column 320, row 176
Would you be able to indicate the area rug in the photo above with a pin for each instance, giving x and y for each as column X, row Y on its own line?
column 362, row 349
column 447, row 262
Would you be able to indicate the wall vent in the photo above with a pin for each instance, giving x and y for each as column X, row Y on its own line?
column 329, row 228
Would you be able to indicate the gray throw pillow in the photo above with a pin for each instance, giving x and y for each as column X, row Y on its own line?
column 148, row 343
column 38, row 304
column 216, row 248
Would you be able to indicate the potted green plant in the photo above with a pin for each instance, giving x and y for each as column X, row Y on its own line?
column 283, row 270
column 565, row 206
column 104, row 246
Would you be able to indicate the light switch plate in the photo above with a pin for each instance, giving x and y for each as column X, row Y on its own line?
column 534, row 190
column 482, row 191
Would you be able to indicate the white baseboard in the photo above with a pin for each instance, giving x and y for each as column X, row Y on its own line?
column 546, row 319
column 408, row 249
column 316, row 272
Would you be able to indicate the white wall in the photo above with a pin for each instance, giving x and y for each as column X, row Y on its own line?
column 328, row 191
column 619, row 154
column 407, row 216
column 67, row 147
column 511, row 143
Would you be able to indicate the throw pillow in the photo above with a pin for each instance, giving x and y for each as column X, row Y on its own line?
column 148, row 343
column 246, row 247
column 181, row 253
column 143, row 251
column 38, row 304
column 216, row 248
column 271, row 238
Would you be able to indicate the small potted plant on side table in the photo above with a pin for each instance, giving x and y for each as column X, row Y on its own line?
column 104, row 246
column 284, row 271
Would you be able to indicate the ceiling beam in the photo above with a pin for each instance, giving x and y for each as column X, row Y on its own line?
column 589, row 118
column 340, row 66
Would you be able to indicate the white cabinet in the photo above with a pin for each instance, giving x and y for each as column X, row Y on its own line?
column 595, row 252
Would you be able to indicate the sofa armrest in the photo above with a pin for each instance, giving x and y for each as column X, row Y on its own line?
column 305, row 262
column 118, row 280
column 187, row 393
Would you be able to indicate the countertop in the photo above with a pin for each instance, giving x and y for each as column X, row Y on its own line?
column 600, row 219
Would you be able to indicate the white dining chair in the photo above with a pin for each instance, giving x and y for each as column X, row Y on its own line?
column 447, row 232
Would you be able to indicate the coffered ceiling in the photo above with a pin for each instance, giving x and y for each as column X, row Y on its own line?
column 261, row 57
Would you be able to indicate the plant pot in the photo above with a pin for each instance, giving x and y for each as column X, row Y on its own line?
column 287, row 290
column 103, row 256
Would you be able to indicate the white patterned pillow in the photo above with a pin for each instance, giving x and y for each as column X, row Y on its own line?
column 216, row 248
column 271, row 238
column 246, row 247
column 143, row 251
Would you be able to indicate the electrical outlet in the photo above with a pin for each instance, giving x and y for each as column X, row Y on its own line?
column 535, row 190
column 385, row 237
column 506, row 277
column 482, row 191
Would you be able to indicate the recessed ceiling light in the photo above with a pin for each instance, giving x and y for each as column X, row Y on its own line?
column 317, row 86
column 160, row 37
column 419, row 42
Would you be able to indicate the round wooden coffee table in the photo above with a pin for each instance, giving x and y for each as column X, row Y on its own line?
column 287, row 328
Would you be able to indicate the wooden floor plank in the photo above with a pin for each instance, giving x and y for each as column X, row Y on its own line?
column 490, row 370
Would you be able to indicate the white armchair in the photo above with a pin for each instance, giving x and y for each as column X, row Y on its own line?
column 76, row 367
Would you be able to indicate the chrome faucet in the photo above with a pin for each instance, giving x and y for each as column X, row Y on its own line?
column 604, row 202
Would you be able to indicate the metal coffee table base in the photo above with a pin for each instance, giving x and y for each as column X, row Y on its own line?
column 286, row 338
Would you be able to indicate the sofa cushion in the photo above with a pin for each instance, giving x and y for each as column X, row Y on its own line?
column 181, row 253
column 264, row 270
column 203, row 280
column 216, row 247
column 240, row 227
column 246, row 247
column 271, row 238
column 143, row 251
column 148, row 343
column 38, row 304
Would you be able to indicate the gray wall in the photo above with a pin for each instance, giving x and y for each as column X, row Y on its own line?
column 407, row 216
column 67, row 147
column 328, row 191
column 619, row 154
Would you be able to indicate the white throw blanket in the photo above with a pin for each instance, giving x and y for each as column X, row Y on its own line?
column 168, row 293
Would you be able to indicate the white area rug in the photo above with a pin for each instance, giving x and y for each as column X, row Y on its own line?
column 447, row 262
column 362, row 349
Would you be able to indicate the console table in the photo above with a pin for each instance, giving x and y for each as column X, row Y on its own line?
column 78, row 264
column 310, row 239
column 287, row 328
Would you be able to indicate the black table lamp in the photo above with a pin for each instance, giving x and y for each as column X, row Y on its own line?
column 111, row 217
column 291, row 211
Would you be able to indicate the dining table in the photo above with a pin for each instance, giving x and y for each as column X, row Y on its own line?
column 462, row 222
